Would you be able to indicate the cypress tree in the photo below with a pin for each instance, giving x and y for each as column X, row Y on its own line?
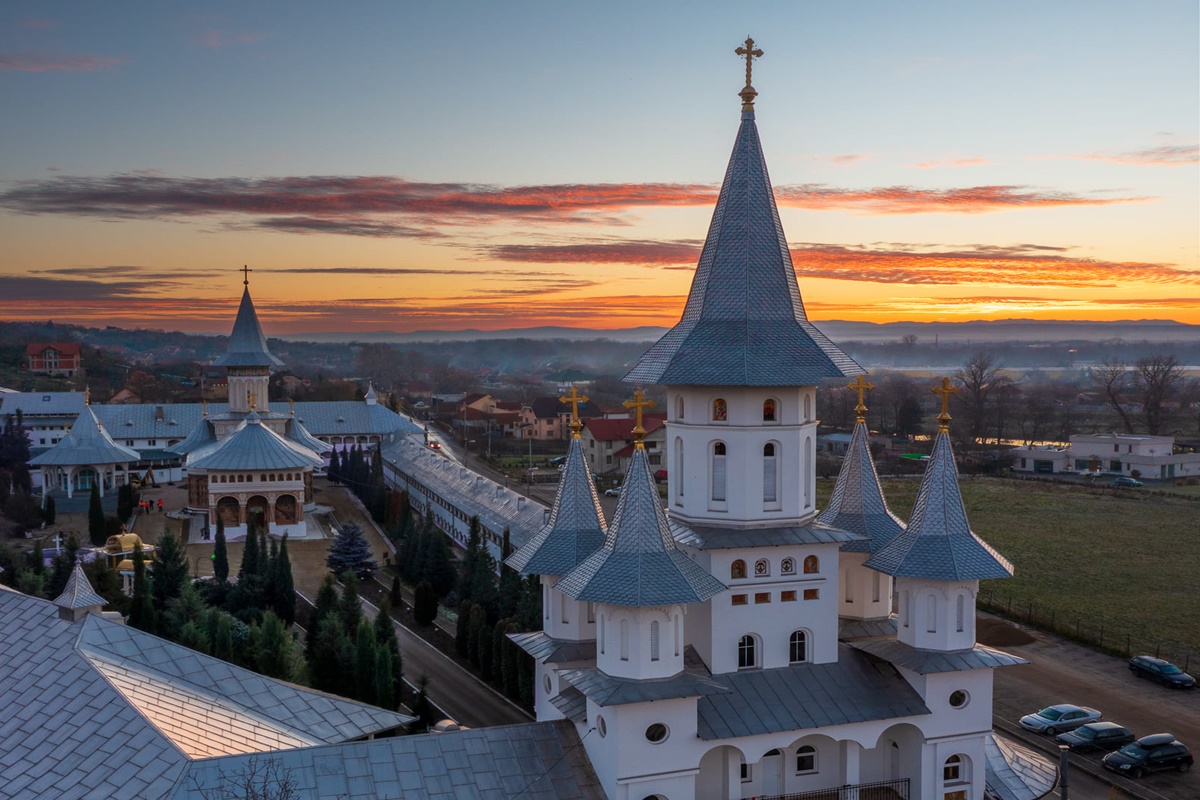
column 530, row 608
column 220, row 553
column 50, row 512
column 272, row 647
column 425, row 604
column 141, row 608
column 385, row 639
column 510, row 666
column 325, row 665
column 422, row 709
column 124, row 502
column 264, row 556
column 192, row 635
column 385, row 685
column 477, row 627
column 483, row 649
column 249, row 564
column 223, row 645
column 350, row 607
column 463, row 627
column 170, row 570
column 326, row 604
column 284, row 586
column 437, row 563
column 96, row 530
column 470, row 562
column 333, row 473
column 394, row 594
column 364, row 662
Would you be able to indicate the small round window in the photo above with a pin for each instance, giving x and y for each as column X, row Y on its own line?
column 601, row 727
column 959, row 698
column 657, row 733
column 547, row 685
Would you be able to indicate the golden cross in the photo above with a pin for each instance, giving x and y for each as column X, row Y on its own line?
column 245, row 270
column 945, row 390
column 750, row 53
column 574, row 399
column 87, row 395
column 204, row 406
column 637, row 404
column 250, row 398
column 861, row 386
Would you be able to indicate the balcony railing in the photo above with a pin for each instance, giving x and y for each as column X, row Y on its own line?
column 880, row 790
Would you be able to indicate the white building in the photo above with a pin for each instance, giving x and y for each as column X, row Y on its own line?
column 1153, row 457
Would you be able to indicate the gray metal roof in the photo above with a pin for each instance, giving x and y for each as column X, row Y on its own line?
column 704, row 538
column 247, row 345
column 806, row 696
column 575, row 529
column 857, row 503
column 42, row 404
column 639, row 564
column 571, row 703
column 253, row 445
column 606, row 690
column 86, row 443
column 78, row 593
column 545, row 648
column 938, row 543
column 1016, row 771
column 534, row 761
column 926, row 662
column 744, row 323
column 866, row 628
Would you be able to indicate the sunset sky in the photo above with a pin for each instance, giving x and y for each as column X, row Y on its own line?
column 410, row 166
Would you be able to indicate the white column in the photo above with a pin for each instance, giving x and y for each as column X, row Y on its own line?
column 99, row 478
column 851, row 753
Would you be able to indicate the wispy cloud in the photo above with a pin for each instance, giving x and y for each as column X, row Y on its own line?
column 890, row 200
column 951, row 163
column 641, row 252
column 850, row 158
column 1167, row 155
column 217, row 38
column 37, row 23
column 48, row 63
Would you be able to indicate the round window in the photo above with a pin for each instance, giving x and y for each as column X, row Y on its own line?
column 959, row 698
column 657, row 733
column 601, row 726
column 547, row 685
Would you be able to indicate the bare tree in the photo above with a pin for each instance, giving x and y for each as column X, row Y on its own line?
column 1157, row 379
column 257, row 779
column 1112, row 377
column 1006, row 396
column 978, row 379
column 1038, row 411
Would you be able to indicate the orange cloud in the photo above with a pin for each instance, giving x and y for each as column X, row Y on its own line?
column 972, row 161
column 910, row 200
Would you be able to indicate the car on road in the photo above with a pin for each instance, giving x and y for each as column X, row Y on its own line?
column 1063, row 717
column 1097, row 736
column 613, row 492
column 435, row 445
column 1162, row 671
column 1130, row 482
column 1156, row 753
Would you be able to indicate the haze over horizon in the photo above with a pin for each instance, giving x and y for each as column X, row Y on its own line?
column 475, row 166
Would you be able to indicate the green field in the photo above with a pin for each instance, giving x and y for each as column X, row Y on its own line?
column 1092, row 560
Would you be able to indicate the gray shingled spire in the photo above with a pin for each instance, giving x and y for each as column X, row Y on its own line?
column 78, row 598
column 857, row 503
column 575, row 529
column 938, row 543
column 253, row 445
column 638, row 565
column 86, row 443
column 744, row 323
column 247, row 345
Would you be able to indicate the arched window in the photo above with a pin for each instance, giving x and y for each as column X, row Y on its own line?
column 718, row 472
column 769, row 411
column 654, row 640
column 931, row 614
column 678, row 635
column 812, row 565
column 762, row 568
column 807, row 408
column 955, row 769
column 905, row 608
column 679, row 407
column 874, row 586
column 737, row 569
column 624, row 640
column 788, row 566
column 959, row 613
column 720, row 410
column 747, row 652
column 806, row 759
column 809, row 481
column 678, row 468
column 770, row 474
column 602, row 632
column 798, row 647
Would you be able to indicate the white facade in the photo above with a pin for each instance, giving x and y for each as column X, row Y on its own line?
column 1153, row 457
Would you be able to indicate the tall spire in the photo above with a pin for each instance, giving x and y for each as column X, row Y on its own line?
column 247, row 344
column 744, row 323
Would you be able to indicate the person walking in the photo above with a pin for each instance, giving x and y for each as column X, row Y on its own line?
column 160, row 505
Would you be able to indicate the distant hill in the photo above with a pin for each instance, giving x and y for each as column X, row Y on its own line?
column 1007, row 330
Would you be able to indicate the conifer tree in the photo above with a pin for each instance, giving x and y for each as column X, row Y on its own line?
column 50, row 511
column 510, row 664
column 124, row 502
column 141, row 607
column 529, row 610
column 249, row 564
column 350, row 607
column 421, row 708
column 284, row 586
column 425, row 604
column 170, row 570
column 437, row 563
column 220, row 553
column 350, row 552
column 364, row 662
column 223, row 642
column 97, row 531
column 64, row 562
column 477, row 628
column 264, row 557
column 273, row 648
column 385, row 640
column 333, row 473
column 394, row 594
column 192, row 635
column 385, row 685
column 462, row 630
column 326, row 604
column 329, row 645
column 106, row 582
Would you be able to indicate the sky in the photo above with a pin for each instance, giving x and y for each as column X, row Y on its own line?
column 443, row 166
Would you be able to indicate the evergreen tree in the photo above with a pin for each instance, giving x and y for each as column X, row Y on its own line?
column 394, row 594
column 511, row 586
column 437, row 563
column 220, row 553
column 97, row 531
column 22, row 481
column 249, row 554
column 264, row 557
column 510, row 661
column 188, row 607
column 484, row 642
column 425, row 604
column 141, row 607
column 106, row 582
column 61, row 566
column 326, row 604
column 422, row 709
column 325, row 665
column 223, row 641
column 124, row 502
column 385, row 686
column 333, row 473
column 376, row 490
column 273, row 648
column 529, row 616
column 462, row 639
column 477, row 629
column 364, row 662
column 385, row 640
column 192, row 635
column 284, row 586
column 350, row 607
column 350, row 552
column 50, row 511
column 477, row 578
column 170, row 570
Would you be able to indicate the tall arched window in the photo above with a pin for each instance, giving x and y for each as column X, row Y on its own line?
column 654, row 640
column 737, row 569
column 720, row 410
column 718, row 472
column 812, row 565
column 904, row 608
column 679, row 407
column 807, row 407
column 806, row 758
column 624, row 640
column 747, row 652
column 769, row 411
column 798, row 647
column 602, row 634
column 960, row 608
column 809, row 457
column 955, row 769
column 874, row 586
column 678, row 468
column 770, row 473
column 678, row 634
column 931, row 614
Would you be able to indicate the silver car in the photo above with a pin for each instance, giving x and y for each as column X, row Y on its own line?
column 1057, row 719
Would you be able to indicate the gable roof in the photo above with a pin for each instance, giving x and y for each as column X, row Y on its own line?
column 66, row 348
column 247, row 344
column 744, row 323
column 857, row 503
column 621, row 428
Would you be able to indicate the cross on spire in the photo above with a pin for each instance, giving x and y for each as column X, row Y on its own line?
column 638, row 404
column 245, row 270
column 250, row 399
column 748, row 94
column 861, row 386
column 574, row 399
column 944, row 391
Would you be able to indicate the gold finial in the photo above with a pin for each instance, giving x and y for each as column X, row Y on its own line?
column 748, row 94
column 245, row 270
column 87, row 395
column 861, row 386
column 945, row 390
column 250, row 399
column 291, row 406
column 574, row 399
column 204, row 406
column 638, row 404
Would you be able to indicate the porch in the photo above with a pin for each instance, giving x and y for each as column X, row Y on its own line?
column 879, row 790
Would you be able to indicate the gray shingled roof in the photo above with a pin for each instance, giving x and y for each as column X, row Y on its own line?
column 866, row 628
column 78, row 593
column 639, row 564
column 534, row 761
column 571, row 703
column 705, row 538
column 42, row 404
column 545, row 648
column 576, row 527
column 86, row 443
column 1016, row 771
column 938, row 543
column 247, row 345
column 253, row 445
column 607, row 690
column 857, row 503
column 744, row 323
column 926, row 662
column 806, row 696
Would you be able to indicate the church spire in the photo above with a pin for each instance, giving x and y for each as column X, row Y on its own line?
column 247, row 344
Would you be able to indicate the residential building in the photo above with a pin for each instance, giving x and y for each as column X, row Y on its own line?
column 56, row 358
column 1151, row 457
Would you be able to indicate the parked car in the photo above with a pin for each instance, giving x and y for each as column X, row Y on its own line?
column 613, row 492
column 1057, row 719
column 1124, row 481
column 1155, row 753
column 1097, row 736
column 1162, row 671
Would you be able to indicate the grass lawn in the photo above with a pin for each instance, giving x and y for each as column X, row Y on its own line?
column 1086, row 556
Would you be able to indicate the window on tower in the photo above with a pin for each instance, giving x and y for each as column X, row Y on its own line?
column 798, row 647
column 812, row 565
column 747, row 652
column 720, row 411
column 769, row 411
column 737, row 569
column 718, row 472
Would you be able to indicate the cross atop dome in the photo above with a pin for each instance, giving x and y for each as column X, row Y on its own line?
column 944, row 391
column 637, row 404
column 861, row 386
column 748, row 94
column 574, row 399
column 245, row 270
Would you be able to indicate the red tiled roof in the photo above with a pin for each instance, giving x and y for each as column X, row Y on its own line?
column 66, row 348
column 613, row 429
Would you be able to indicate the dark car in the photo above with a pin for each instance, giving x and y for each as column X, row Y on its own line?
column 1155, row 753
column 1130, row 482
column 1162, row 671
column 1056, row 719
column 1097, row 736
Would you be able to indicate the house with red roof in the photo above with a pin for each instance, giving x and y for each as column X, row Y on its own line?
column 608, row 443
column 54, row 358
